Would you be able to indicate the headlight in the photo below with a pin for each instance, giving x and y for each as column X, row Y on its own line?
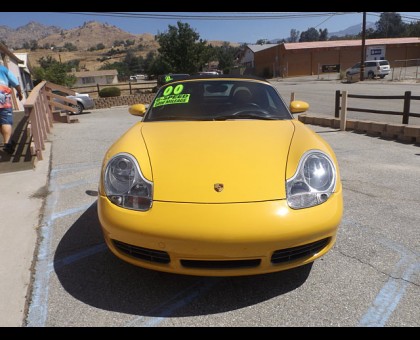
column 125, row 185
column 314, row 181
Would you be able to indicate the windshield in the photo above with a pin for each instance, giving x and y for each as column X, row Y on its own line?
column 217, row 99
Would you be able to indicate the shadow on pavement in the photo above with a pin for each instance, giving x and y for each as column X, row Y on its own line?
column 21, row 159
column 92, row 274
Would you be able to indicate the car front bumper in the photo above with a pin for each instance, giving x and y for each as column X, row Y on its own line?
column 221, row 239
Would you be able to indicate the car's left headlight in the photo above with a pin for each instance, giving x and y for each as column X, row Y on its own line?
column 125, row 185
column 314, row 180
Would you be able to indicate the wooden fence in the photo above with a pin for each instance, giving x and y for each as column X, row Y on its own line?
column 41, row 110
column 126, row 88
column 406, row 108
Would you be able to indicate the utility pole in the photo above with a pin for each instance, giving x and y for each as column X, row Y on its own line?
column 362, row 62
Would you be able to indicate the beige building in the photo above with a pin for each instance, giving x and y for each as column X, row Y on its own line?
column 103, row 77
column 311, row 58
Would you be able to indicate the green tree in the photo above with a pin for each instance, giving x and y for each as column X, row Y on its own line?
column 148, row 61
column 180, row 48
column 129, row 42
column 134, row 64
column 57, row 74
column 294, row 36
column 309, row 35
column 262, row 42
column 210, row 53
column 72, row 64
column 370, row 33
column 34, row 45
column 226, row 56
column 323, row 34
column 121, row 67
column 113, row 51
column 70, row 47
column 46, row 62
column 413, row 29
column 159, row 66
column 118, row 43
column 390, row 25
column 54, row 71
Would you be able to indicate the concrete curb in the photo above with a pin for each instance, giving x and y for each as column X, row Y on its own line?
column 399, row 132
column 23, row 194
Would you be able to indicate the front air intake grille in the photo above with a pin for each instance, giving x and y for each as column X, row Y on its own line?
column 229, row 264
column 291, row 254
column 146, row 254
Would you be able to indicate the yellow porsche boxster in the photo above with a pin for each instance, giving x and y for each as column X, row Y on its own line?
column 219, row 179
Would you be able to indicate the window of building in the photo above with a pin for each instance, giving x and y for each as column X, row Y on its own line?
column 88, row 80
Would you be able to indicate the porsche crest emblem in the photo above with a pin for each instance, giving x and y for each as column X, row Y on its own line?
column 218, row 187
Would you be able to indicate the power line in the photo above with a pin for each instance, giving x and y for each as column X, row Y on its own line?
column 239, row 16
column 405, row 18
column 332, row 15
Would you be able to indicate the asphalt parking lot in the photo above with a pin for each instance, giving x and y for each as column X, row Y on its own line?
column 370, row 277
column 320, row 94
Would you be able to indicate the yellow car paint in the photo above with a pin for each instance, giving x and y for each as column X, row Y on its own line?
column 298, row 106
column 220, row 232
column 219, row 194
column 233, row 153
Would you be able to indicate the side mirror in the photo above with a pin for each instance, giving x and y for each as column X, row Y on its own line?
column 298, row 106
column 137, row 110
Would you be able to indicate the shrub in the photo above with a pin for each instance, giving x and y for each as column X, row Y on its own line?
column 110, row 92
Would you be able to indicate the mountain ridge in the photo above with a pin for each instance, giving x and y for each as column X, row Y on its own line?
column 351, row 30
column 41, row 41
column 87, row 35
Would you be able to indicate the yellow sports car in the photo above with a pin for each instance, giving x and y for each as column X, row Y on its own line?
column 219, row 179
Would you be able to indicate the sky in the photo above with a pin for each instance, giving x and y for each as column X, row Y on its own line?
column 240, row 27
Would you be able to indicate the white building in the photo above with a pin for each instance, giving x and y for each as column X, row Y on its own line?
column 248, row 58
column 15, row 65
column 103, row 77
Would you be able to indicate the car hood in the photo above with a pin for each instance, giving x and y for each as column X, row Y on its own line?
column 193, row 161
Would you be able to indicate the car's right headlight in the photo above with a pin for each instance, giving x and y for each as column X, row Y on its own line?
column 314, row 180
column 125, row 185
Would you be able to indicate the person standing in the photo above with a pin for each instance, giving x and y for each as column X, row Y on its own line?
column 7, row 82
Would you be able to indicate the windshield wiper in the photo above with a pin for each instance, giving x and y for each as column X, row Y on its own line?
column 246, row 116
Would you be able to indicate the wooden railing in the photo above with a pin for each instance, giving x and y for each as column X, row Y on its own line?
column 405, row 113
column 40, row 109
column 126, row 88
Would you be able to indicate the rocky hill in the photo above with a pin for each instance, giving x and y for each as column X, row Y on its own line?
column 85, row 38
column 93, row 33
column 352, row 30
column 15, row 38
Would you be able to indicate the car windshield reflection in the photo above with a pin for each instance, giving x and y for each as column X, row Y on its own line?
column 211, row 99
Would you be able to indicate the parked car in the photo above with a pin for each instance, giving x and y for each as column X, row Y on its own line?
column 84, row 101
column 373, row 68
column 138, row 77
column 219, row 179
column 210, row 73
column 165, row 78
